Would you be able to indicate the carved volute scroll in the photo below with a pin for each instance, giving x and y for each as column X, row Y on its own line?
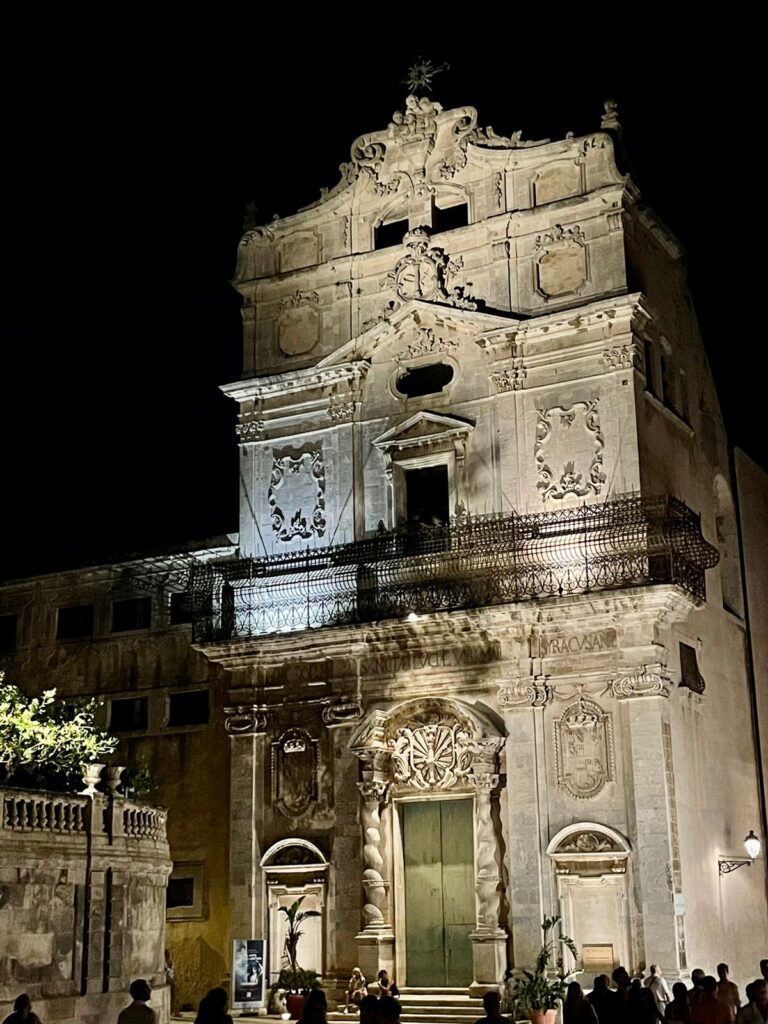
column 245, row 720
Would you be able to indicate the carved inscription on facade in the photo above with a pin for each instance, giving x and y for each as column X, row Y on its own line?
column 294, row 772
column 569, row 451
column 577, row 643
column 296, row 495
column 584, row 753
column 422, row 661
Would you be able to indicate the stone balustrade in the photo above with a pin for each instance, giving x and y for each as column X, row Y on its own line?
column 62, row 814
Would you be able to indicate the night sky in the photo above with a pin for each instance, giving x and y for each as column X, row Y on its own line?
column 129, row 164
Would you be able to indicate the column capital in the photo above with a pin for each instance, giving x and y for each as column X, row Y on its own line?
column 373, row 790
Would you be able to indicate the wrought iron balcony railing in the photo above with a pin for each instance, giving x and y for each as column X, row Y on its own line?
column 472, row 562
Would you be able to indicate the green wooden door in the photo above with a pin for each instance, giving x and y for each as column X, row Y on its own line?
column 439, row 892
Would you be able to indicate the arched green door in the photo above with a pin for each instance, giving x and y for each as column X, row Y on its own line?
column 438, row 848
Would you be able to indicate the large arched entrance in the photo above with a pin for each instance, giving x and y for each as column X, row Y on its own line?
column 431, row 848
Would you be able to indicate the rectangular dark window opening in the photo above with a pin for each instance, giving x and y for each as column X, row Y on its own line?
column 129, row 714
column 386, row 235
column 426, row 495
column 189, row 708
column 181, row 608
column 180, row 893
column 133, row 613
column 690, row 677
column 650, row 368
column 449, row 218
column 75, row 622
column 8, row 632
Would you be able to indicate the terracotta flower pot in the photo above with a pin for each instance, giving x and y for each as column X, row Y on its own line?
column 294, row 1004
column 542, row 1016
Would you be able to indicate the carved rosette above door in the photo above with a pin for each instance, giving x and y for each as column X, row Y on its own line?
column 296, row 495
column 569, row 451
column 432, row 756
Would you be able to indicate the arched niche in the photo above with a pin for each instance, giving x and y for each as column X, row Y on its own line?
column 591, row 861
column 295, row 868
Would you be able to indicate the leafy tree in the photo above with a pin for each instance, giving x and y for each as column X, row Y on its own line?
column 295, row 917
column 41, row 735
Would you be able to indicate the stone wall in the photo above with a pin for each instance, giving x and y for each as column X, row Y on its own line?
column 82, row 904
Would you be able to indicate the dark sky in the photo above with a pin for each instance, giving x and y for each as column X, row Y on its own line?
column 128, row 167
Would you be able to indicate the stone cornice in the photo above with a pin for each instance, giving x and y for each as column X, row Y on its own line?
column 259, row 388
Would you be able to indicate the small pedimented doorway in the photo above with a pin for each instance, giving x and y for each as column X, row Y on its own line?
column 294, row 868
column 592, row 863
column 432, row 884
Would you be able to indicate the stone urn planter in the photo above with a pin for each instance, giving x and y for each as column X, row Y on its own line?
column 91, row 777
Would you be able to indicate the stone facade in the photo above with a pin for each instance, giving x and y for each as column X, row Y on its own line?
column 82, row 903
column 474, row 420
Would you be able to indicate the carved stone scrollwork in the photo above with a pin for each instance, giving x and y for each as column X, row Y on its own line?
column 557, row 445
column 341, row 412
column 511, row 379
column 588, row 842
column 428, row 344
column 640, row 684
column 251, row 430
column 432, row 756
column 584, row 752
column 294, row 772
column 374, row 793
column 425, row 271
column 345, row 712
column 308, row 465
column 245, row 720
column 533, row 693
column 619, row 358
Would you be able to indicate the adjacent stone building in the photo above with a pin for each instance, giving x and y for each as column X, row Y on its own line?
column 480, row 646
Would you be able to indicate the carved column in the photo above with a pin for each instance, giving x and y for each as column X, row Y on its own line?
column 246, row 725
column 376, row 941
column 489, row 940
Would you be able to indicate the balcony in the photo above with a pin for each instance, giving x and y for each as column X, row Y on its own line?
column 473, row 562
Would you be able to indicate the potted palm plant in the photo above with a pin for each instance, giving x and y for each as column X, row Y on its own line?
column 539, row 991
column 295, row 981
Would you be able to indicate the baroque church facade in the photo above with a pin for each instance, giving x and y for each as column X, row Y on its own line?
column 478, row 653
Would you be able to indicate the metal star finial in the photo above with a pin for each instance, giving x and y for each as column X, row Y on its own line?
column 421, row 73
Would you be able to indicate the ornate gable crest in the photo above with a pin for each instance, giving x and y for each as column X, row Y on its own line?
column 424, row 272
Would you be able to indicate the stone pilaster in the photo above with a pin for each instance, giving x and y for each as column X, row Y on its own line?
column 656, row 931
column 246, row 726
column 524, row 844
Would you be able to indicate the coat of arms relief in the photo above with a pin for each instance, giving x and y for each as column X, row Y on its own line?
column 569, row 451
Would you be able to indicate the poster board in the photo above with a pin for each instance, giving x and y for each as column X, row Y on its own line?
column 248, row 977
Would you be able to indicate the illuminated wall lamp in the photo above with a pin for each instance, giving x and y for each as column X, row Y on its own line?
column 752, row 845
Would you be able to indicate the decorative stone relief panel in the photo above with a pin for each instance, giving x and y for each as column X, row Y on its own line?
column 588, row 842
column 294, row 772
column 424, row 273
column 569, row 451
column 433, row 756
column 298, row 484
column 557, row 181
column 298, row 326
column 427, row 344
column 584, row 751
column 560, row 262
column 299, row 249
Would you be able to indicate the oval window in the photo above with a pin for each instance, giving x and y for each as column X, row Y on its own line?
column 424, row 380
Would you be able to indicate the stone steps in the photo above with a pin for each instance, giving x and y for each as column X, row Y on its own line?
column 429, row 1006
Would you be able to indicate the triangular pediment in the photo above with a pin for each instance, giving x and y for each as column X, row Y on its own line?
column 423, row 427
column 405, row 332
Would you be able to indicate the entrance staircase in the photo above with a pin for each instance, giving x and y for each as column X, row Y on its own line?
column 429, row 1006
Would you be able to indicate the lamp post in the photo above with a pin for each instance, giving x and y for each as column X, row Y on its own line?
column 752, row 845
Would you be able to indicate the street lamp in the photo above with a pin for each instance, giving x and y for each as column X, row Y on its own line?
column 752, row 845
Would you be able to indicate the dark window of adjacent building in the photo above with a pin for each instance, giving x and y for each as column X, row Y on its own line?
column 385, row 235
column 425, row 380
column 690, row 676
column 180, row 893
column 129, row 714
column 449, row 218
column 189, row 708
column 426, row 495
column 181, row 608
column 8, row 632
column 75, row 622
column 134, row 613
